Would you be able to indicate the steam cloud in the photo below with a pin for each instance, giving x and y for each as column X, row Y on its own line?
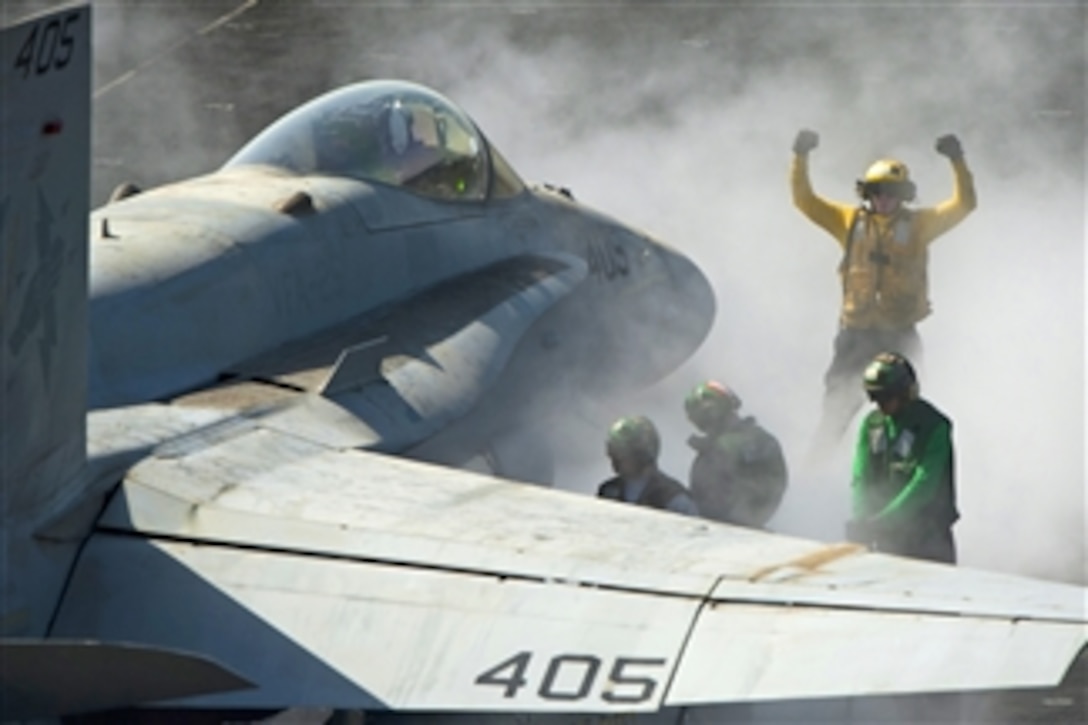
column 685, row 128
column 682, row 123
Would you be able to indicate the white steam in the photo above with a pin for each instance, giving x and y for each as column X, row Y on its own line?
column 675, row 131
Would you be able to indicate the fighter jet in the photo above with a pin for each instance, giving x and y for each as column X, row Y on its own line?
column 373, row 251
column 238, row 521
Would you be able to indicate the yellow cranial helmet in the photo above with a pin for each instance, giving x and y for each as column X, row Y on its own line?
column 887, row 176
column 886, row 170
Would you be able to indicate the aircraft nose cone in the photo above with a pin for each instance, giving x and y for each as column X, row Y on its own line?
column 695, row 301
column 678, row 315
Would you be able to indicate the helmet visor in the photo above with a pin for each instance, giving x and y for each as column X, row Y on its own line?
column 896, row 189
column 881, row 396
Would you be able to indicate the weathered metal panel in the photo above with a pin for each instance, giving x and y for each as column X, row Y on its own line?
column 270, row 488
column 303, row 561
column 752, row 652
column 325, row 422
column 143, row 426
column 45, row 133
column 888, row 582
column 45, row 136
column 340, row 633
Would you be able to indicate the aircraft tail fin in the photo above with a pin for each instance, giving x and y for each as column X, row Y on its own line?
column 45, row 114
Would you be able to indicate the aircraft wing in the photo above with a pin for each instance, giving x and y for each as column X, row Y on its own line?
column 333, row 577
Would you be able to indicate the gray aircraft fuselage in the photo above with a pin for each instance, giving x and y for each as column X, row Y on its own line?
column 190, row 281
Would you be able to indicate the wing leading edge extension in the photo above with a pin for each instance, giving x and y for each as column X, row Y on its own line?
column 350, row 579
column 386, row 382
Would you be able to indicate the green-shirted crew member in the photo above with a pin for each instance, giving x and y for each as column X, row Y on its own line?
column 884, row 268
column 904, row 490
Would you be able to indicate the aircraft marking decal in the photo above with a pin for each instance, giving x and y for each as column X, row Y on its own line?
column 607, row 260
column 572, row 677
column 39, row 52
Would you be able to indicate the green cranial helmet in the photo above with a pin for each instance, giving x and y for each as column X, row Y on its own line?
column 634, row 436
column 710, row 403
column 890, row 374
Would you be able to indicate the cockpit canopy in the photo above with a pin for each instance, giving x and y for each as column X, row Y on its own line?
column 392, row 132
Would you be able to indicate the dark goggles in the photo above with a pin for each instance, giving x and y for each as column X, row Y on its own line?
column 881, row 396
column 898, row 189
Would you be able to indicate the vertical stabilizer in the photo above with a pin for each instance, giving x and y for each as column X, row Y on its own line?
column 44, row 197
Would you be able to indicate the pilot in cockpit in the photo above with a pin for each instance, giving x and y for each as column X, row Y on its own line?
column 379, row 144
column 398, row 124
column 413, row 145
column 400, row 144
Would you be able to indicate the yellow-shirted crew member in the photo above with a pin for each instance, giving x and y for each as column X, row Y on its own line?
column 884, row 268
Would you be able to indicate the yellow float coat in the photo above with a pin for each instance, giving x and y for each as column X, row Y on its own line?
column 884, row 270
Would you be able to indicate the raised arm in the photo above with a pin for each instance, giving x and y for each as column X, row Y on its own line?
column 831, row 216
column 937, row 220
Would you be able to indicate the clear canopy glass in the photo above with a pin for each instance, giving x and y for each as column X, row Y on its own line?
column 391, row 132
